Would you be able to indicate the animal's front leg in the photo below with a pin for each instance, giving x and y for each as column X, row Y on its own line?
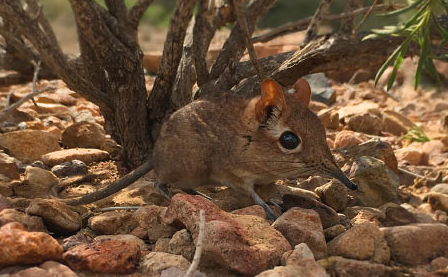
column 270, row 214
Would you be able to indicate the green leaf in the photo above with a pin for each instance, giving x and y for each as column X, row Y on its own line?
column 388, row 62
column 441, row 30
column 393, row 75
column 402, row 10
column 371, row 36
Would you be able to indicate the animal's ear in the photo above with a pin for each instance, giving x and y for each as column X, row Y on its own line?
column 302, row 91
column 271, row 98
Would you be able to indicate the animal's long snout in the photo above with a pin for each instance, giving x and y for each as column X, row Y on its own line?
column 332, row 170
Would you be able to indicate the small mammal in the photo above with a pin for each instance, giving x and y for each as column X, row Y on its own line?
column 239, row 141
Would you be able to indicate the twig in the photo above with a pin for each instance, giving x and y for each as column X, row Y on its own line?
column 314, row 25
column 365, row 16
column 197, row 254
column 247, row 40
column 303, row 23
column 14, row 106
column 34, row 86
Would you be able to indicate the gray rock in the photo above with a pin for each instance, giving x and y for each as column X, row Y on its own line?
column 321, row 90
column 182, row 244
column 377, row 184
column 155, row 262
column 70, row 168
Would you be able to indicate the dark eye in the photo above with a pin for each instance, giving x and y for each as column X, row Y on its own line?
column 289, row 140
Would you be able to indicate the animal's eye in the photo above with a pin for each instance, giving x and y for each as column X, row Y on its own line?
column 289, row 140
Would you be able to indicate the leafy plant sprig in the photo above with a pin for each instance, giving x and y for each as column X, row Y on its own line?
column 415, row 134
column 417, row 29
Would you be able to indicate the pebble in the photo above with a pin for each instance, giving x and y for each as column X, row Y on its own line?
column 84, row 135
column 113, row 223
column 346, row 138
column 334, row 194
column 155, row 262
column 36, row 183
column 182, row 244
column 8, row 167
column 366, row 123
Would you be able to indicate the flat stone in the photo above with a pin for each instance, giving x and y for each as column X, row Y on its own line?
column 339, row 266
column 366, row 123
column 85, row 155
column 57, row 216
column 113, row 223
column 29, row 145
column 84, row 135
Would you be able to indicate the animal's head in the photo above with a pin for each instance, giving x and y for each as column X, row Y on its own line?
column 290, row 136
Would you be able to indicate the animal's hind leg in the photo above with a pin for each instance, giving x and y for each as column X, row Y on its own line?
column 163, row 189
column 270, row 214
column 195, row 192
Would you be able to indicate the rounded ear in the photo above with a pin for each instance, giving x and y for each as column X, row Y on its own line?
column 302, row 91
column 271, row 97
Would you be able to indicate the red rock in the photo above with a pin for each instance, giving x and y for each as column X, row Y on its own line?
column 411, row 155
column 366, row 123
column 303, row 226
column 86, row 155
column 346, row 138
column 256, row 210
column 22, row 247
column 110, row 256
column 8, row 167
column 229, row 237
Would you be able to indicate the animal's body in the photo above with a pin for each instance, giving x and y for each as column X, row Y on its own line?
column 239, row 141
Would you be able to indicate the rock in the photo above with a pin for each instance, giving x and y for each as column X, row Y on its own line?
column 182, row 244
column 334, row 194
column 31, row 223
column 439, row 263
column 84, row 135
column 126, row 237
column 329, row 118
column 4, row 203
column 339, row 266
column 22, row 247
column 57, row 269
column 411, row 155
column 361, row 242
column 162, row 245
column 37, row 183
column 155, row 262
column 441, row 188
column 327, row 215
column 362, row 108
column 177, row 272
column 364, row 216
column 396, row 123
column 57, row 110
column 365, row 123
column 85, row 155
column 8, row 167
column 433, row 147
column 333, row 231
column 256, row 210
column 303, row 226
column 57, row 216
column 83, row 236
column 150, row 219
column 300, row 263
column 438, row 201
column 417, row 244
column 113, row 223
column 373, row 148
column 346, row 138
column 419, row 216
column 32, row 272
column 312, row 183
column 396, row 215
column 377, row 184
column 29, row 145
column 321, row 90
column 228, row 237
column 70, row 168
column 109, row 256
column 6, row 188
